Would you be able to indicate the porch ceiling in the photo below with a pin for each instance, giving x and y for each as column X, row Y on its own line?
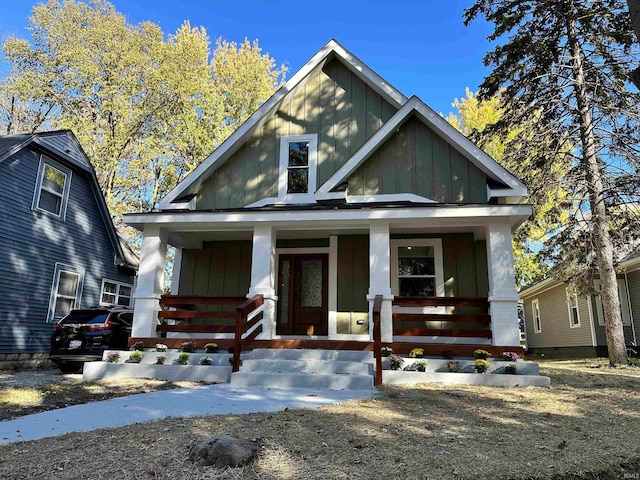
column 194, row 239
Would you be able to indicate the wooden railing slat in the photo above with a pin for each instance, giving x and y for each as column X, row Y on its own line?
column 189, row 314
column 446, row 332
column 196, row 328
column 436, row 317
column 252, row 322
column 441, row 302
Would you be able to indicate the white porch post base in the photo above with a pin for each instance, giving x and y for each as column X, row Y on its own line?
column 146, row 309
column 150, row 282
column 386, row 320
column 504, row 322
column 263, row 276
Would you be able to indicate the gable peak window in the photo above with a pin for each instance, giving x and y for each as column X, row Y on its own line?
column 52, row 188
column 298, row 154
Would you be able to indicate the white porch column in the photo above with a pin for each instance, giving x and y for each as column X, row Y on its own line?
column 150, row 281
column 503, row 296
column 263, row 275
column 380, row 277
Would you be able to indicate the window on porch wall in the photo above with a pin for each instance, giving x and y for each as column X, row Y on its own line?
column 416, row 271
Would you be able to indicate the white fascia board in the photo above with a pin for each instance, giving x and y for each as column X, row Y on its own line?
column 237, row 138
column 539, row 287
column 465, row 146
column 631, row 265
column 446, row 216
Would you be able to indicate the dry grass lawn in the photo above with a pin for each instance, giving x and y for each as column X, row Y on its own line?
column 587, row 425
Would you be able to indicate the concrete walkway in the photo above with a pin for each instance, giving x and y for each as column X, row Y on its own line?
column 219, row 399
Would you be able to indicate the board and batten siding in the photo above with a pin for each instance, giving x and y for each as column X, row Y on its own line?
column 331, row 102
column 417, row 160
column 32, row 242
column 554, row 320
column 353, row 284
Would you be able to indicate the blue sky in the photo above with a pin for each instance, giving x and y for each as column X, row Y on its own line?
column 419, row 46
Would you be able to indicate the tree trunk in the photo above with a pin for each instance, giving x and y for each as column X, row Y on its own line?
column 634, row 10
column 599, row 216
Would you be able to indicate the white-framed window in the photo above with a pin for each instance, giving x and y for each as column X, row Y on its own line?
column 66, row 291
column 417, row 267
column 535, row 314
column 298, row 167
column 623, row 297
column 574, row 311
column 115, row 293
column 52, row 188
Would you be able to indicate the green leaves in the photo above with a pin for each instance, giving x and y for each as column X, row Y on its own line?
column 147, row 109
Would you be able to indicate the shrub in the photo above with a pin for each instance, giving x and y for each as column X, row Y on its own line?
column 206, row 361
column 188, row 347
column 417, row 366
column 211, row 348
column 510, row 356
column 136, row 356
column 112, row 357
column 395, row 361
column 453, row 367
column 160, row 359
column 510, row 369
column 633, row 362
column 161, row 347
column 416, row 353
column 138, row 346
column 447, row 354
column 481, row 365
column 183, row 358
column 481, row 354
column 386, row 351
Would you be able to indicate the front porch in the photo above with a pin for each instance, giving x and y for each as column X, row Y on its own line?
column 445, row 281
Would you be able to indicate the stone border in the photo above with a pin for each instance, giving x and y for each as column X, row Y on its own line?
column 172, row 373
column 399, row 377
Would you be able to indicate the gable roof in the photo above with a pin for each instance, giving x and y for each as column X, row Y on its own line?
column 332, row 49
column 415, row 106
column 64, row 145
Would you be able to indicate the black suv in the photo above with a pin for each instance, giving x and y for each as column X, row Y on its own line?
column 83, row 335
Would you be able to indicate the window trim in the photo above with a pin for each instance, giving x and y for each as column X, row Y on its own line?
column 309, row 196
column 436, row 243
column 537, row 319
column 117, row 294
column 58, row 269
column 44, row 162
column 622, row 283
column 573, row 296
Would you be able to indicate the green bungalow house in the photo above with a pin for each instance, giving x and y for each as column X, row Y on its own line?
column 336, row 190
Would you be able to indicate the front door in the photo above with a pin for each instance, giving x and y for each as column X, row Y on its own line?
column 302, row 294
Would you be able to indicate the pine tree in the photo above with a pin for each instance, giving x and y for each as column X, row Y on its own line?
column 566, row 63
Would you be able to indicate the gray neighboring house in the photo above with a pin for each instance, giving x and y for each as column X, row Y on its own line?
column 560, row 323
column 60, row 249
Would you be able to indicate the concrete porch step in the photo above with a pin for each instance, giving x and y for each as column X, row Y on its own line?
column 310, row 354
column 306, row 366
column 309, row 380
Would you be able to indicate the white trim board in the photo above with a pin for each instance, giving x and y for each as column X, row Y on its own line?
column 461, row 143
column 237, row 138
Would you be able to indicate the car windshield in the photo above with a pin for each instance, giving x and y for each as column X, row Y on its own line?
column 85, row 317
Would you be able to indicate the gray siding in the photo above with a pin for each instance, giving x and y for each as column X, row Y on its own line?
column 633, row 280
column 554, row 320
column 31, row 244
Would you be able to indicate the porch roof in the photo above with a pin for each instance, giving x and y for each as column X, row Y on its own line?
column 335, row 216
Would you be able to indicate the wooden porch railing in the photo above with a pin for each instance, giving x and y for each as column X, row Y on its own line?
column 234, row 320
column 243, row 326
column 377, row 338
column 482, row 321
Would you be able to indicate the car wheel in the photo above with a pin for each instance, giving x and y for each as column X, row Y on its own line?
column 70, row 367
